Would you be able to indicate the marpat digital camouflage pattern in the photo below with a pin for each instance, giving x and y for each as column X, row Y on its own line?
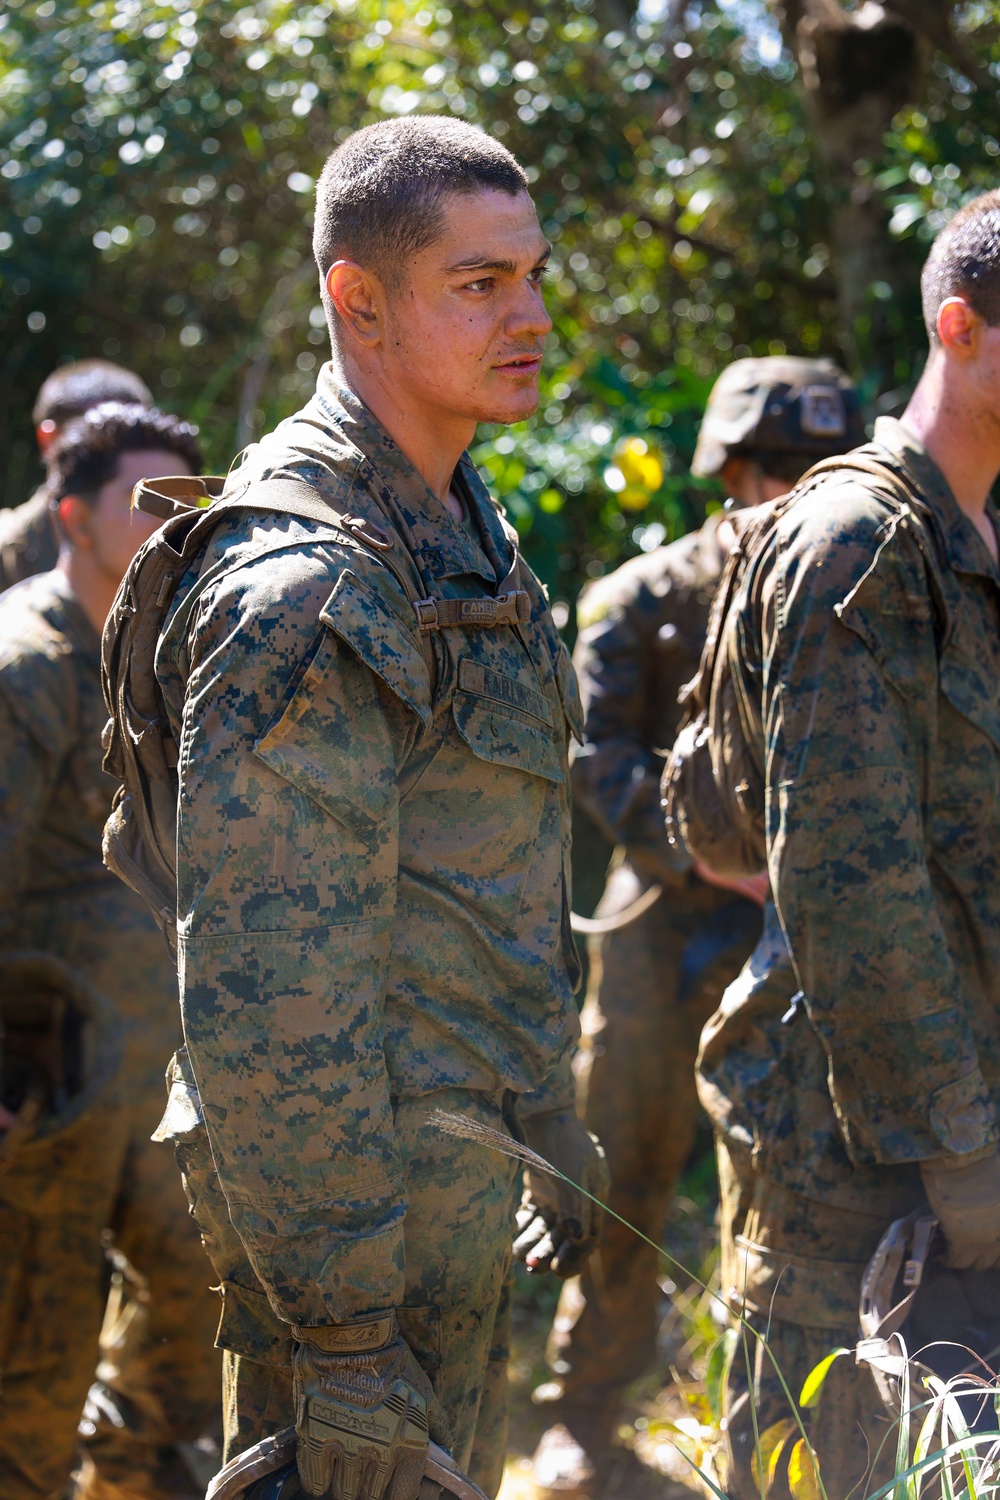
column 56, row 896
column 455, row 1312
column 871, row 639
column 654, row 982
column 778, row 406
column 27, row 540
column 373, row 899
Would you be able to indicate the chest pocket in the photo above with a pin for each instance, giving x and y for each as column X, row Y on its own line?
column 967, row 778
column 504, row 721
column 968, row 681
column 569, row 690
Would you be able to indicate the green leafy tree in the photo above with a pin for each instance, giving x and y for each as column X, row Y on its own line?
column 157, row 162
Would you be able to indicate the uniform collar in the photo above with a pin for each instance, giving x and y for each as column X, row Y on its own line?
column 446, row 548
column 965, row 549
column 67, row 613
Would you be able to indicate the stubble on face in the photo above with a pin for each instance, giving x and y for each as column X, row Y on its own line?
column 467, row 326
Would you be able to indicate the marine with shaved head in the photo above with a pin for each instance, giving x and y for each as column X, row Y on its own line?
column 373, row 712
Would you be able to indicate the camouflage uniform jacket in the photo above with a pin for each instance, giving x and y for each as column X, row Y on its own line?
column 872, row 643
column 55, row 893
column 372, row 873
column 27, row 540
column 642, row 630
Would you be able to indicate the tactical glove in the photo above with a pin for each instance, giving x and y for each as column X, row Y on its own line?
column 965, row 1200
column 558, row 1226
column 363, row 1408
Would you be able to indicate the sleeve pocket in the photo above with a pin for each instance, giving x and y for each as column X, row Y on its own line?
column 355, row 613
column 330, row 739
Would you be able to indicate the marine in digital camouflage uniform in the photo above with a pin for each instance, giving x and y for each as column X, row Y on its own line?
column 62, row 1184
column 655, row 981
column 28, row 541
column 372, row 846
column 853, row 1070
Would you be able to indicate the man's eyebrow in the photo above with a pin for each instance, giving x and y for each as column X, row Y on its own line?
column 486, row 263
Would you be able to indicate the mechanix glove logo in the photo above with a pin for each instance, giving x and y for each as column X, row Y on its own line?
column 352, row 1451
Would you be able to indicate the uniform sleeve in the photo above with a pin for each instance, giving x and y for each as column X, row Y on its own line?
column 287, row 861
column 850, row 694
column 557, row 1093
column 616, row 776
column 32, row 730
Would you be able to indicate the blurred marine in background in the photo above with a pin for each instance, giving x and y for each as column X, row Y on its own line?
column 657, row 978
column 28, row 540
column 85, row 982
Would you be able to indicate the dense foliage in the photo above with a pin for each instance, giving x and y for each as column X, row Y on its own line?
column 157, row 162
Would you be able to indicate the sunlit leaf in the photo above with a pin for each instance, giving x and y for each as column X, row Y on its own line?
column 812, row 1388
column 772, row 1442
column 803, row 1467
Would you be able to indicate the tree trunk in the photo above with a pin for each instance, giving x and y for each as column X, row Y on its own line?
column 858, row 68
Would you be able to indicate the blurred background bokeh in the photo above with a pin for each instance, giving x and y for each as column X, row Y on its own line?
column 718, row 178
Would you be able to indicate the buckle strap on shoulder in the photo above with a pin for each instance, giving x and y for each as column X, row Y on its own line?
column 512, row 608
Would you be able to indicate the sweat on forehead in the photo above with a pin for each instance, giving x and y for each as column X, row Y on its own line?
column 378, row 200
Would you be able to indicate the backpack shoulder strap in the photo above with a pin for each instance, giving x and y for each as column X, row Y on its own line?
column 204, row 500
column 757, row 526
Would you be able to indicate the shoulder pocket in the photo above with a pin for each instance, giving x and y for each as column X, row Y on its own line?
column 356, row 613
column 330, row 739
column 968, row 682
column 894, row 617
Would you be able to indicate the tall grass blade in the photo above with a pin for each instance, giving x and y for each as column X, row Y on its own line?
column 717, row 1367
column 764, row 1462
column 947, row 1487
column 959, row 1426
column 903, row 1435
column 757, row 1464
column 915, row 1482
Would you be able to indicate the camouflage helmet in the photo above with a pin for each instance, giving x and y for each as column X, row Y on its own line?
column 782, row 404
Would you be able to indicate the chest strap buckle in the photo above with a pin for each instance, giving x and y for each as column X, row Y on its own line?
column 513, row 608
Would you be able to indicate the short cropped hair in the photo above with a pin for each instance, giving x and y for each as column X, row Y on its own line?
column 378, row 199
column 73, row 389
column 84, row 457
column 965, row 262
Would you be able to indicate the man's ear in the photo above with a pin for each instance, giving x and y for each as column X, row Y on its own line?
column 959, row 327
column 76, row 521
column 45, row 434
column 357, row 297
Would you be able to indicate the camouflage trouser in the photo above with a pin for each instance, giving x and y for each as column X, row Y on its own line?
column 795, row 1266
column 653, row 984
column 159, row 1367
column 159, row 1371
column 456, row 1310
